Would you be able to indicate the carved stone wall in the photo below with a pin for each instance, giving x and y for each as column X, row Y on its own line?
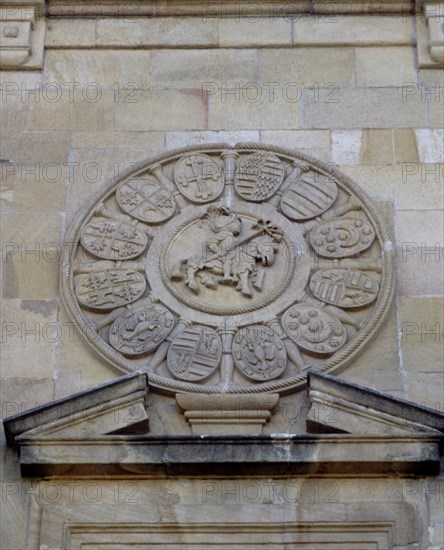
column 219, row 270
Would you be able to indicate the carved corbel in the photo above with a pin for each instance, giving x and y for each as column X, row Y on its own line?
column 430, row 31
column 435, row 26
column 22, row 35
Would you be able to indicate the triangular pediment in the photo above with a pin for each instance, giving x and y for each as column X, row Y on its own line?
column 352, row 430
column 116, row 407
column 339, row 406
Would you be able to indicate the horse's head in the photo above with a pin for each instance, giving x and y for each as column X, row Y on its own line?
column 266, row 249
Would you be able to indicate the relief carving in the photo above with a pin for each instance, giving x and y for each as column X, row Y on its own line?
column 259, row 353
column 219, row 269
column 146, row 199
column 259, row 176
column 113, row 240
column 138, row 332
column 231, row 254
column 198, row 178
column 195, row 353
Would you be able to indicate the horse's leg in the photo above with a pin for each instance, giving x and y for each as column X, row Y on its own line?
column 244, row 284
column 190, row 281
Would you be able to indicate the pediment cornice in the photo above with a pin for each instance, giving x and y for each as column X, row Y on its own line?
column 104, row 431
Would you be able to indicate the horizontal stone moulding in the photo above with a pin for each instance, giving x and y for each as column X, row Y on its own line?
column 224, row 8
column 189, row 456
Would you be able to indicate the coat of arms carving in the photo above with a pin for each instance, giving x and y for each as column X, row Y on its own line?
column 229, row 269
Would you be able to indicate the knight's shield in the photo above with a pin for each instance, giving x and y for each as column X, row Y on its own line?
column 259, row 176
column 195, row 353
column 146, row 199
column 259, row 353
column 107, row 289
column 314, row 329
column 198, row 178
column 139, row 332
column 113, row 240
column 342, row 287
column 308, row 197
column 342, row 237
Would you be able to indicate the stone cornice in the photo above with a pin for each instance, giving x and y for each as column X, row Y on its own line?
column 221, row 8
column 279, row 454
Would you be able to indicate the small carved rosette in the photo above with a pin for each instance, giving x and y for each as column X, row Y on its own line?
column 232, row 269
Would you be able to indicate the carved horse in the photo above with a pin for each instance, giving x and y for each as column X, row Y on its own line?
column 236, row 267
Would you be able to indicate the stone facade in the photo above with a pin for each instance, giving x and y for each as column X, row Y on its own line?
column 90, row 92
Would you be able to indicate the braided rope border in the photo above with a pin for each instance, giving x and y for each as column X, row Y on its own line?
column 340, row 361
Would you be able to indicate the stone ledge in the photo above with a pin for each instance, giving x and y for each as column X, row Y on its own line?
column 224, row 8
column 279, row 455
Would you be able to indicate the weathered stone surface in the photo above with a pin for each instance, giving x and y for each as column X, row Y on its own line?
column 437, row 113
column 349, row 108
column 422, row 325
column 377, row 147
column 79, row 112
column 174, row 110
column 405, row 146
column 385, row 67
column 315, row 143
column 32, row 249
column 76, row 364
column 32, row 326
column 183, row 139
column 409, row 184
column 251, row 109
column 378, row 366
column 207, row 71
column 419, row 236
column 90, row 71
column 333, row 30
column 316, row 68
column 152, row 142
column 431, row 145
column 254, row 32
column 70, row 32
column 157, row 32
column 346, row 146
column 231, row 512
column 35, row 148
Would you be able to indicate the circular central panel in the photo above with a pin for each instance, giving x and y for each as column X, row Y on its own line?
column 228, row 261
